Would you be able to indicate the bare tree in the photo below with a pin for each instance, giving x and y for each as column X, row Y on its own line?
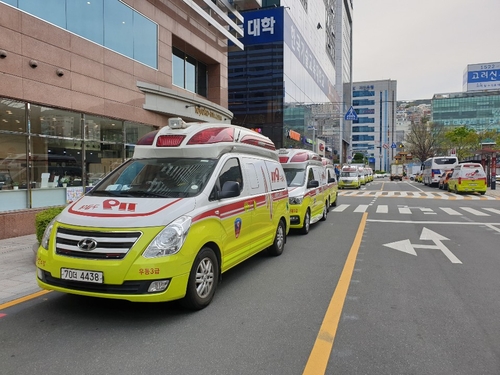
column 425, row 139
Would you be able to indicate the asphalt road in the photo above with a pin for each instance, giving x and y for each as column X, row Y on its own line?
column 414, row 283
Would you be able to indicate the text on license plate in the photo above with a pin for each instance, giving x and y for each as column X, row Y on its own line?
column 81, row 275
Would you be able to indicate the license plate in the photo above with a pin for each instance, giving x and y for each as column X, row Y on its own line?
column 81, row 275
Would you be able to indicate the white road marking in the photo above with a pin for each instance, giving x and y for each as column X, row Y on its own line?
column 473, row 211
column 494, row 210
column 450, row 211
column 404, row 210
column 361, row 208
column 341, row 207
column 382, row 209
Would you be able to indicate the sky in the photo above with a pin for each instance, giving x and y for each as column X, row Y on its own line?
column 425, row 45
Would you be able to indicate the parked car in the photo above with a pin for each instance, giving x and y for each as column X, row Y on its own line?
column 443, row 180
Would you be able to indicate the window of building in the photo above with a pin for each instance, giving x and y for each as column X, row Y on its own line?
column 188, row 73
column 359, row 102
column 109, row 23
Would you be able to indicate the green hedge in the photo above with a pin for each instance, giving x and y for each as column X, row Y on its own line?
column 43, row 219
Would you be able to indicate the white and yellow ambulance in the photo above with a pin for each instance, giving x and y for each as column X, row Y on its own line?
column 195, row 200
column 307, row 187
column 468, row 178
column 349, row 177
column 331, row 181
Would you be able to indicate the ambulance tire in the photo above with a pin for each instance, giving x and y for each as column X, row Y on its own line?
column 279, row 240
column 202, row 281
column 334, row 203
column 307, row 223
column 325, row 212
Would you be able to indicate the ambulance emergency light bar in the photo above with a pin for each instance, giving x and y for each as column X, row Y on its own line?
column 298, row 157
column 206, row 134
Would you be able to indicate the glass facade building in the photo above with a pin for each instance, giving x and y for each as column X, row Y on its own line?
column 476, row 110
column 284, row 83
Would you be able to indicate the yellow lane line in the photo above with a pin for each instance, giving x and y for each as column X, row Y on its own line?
column 23, row 299
column 322, row 348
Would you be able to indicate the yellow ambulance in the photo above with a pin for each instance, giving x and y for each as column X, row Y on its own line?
column 307, row 187
column 195, row 200
column 468, row 178
column 331, row 181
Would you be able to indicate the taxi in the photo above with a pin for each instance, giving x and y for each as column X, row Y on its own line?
column 195, row 200
column 307, row 187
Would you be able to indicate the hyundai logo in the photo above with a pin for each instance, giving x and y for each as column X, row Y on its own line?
column 87, row 244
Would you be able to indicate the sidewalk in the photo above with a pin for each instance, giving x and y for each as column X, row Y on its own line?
column 18, row 271
column 17, row 268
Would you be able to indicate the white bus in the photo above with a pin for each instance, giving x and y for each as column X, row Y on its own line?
column 434, row 167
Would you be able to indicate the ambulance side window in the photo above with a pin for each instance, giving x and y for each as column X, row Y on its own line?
column 310, row 176
column 230, row 172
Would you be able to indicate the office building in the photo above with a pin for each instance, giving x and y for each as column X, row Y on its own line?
column 374, row 133
column 289, row 83
column 478, row 110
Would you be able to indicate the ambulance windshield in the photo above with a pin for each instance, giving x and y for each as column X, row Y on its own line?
column 157, row 177
column 295, row 176
column 348, row 174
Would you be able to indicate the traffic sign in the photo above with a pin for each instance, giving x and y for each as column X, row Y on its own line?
column 393, row 145
column 385, row 145
column 351, row 115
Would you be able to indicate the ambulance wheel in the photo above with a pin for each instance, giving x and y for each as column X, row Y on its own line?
column 325, row 212
column 482, row 192
column 307, row 223
column 279, row 240
column 334, row 203
column 202, row 281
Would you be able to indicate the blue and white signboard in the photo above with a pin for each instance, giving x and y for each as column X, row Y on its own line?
column 263, row 26
column 351, row 115
column 482, row 77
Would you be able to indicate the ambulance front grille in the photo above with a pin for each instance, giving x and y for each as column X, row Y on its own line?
column 94, row 245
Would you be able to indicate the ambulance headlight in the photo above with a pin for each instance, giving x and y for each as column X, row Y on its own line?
column 295, row 200
column 46, row 235
column 170, row 240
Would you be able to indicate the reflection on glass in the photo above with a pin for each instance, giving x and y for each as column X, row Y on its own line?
column 295, row 176
column 118, row 27
column 157, row 178
column 85, row 18
column 12, row 115
column 53, row 11
column 145, row 41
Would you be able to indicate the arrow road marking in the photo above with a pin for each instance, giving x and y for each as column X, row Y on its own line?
column 407, row 247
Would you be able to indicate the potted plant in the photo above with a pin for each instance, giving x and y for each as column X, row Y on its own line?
column 15, row 185
column 64, row 181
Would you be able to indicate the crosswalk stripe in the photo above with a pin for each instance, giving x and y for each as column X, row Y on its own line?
column 495, row 211
column 382, row 209
column 404, row 210
column 361, row 208
column 427, row 211
column 473, row 211
column 450, row 211
column 341, row 207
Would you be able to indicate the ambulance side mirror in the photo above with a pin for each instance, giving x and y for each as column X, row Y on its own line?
column 331, row 180
column 229, row 189
column 313, row 184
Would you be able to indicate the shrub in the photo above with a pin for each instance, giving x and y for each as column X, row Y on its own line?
column 43, row 218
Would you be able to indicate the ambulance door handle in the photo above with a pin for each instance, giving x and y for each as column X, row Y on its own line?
column 217, row 212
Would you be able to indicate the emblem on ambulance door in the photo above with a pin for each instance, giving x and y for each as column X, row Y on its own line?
column 237, row 227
